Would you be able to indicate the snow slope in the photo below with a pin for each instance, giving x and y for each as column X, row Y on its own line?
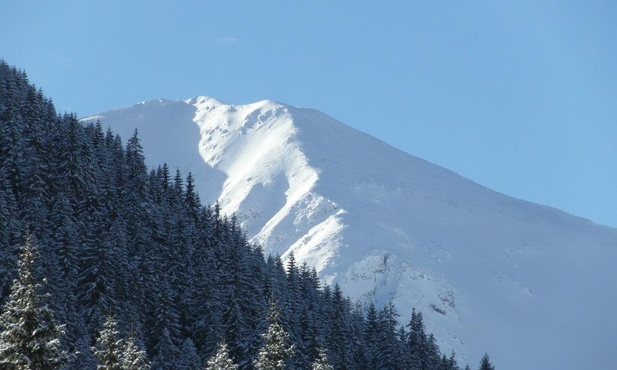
column 531, row 285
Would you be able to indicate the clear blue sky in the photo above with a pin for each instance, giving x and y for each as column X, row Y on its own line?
column 520, row 96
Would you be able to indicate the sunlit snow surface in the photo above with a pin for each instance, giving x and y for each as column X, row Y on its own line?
column 531, row 285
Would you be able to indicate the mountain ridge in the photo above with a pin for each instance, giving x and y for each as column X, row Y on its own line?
column 387, row 225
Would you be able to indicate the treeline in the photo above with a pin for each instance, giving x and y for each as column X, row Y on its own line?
column 118, row 240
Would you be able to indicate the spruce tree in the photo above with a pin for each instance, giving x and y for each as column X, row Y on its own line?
column 189, row 359
column 433, row 356
column 275, row 350
column 166, row 352
column 30, row 339
column 485, row 363
column 339, row 330
column 452, row 365
column 221, row 360
column 133, row 356
column 9, row 229
column 388, row 356
column 109, row 346
column 371, row 337
column 417, row 343
column 321, row 362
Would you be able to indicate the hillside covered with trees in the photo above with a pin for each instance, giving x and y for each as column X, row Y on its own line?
column 106, row 264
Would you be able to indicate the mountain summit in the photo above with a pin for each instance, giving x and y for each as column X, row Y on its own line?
column 531, row 285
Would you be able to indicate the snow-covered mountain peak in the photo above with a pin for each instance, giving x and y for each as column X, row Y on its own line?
column 157, row 102
column 490, row 273
column 204, row 101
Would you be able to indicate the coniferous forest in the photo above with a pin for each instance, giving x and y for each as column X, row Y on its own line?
column 106, row 264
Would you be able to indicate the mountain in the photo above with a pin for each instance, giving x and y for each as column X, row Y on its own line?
column 531, row 285
column 104, row 262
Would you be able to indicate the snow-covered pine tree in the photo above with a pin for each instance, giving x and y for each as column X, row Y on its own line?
column 485, row 363
column 188, row 358
column 9, row 228
column 339, row 330
column 82, row 357
column 452, row 364
column 275, row 350
column 30, row 339
column 133, row 356
column 166, row 352
column 109, row 346
column 433, row 356
column 388, row 356
column 321, row 362
column 221, row 360
column 417, row 343
column 235, row 336
column 371, row 337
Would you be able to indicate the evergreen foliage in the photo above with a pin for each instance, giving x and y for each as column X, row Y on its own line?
column 221, row 360
column 485, row 363
column 114, row 236
column 276, row 349
column 109, row 346
column 133, row 356
column 189, row 359
column 30, row 338
column 321, row 362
